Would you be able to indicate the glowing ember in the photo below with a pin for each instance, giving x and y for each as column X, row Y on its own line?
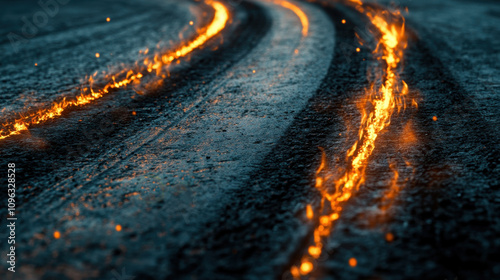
column 97, row 54
column 108, row 19
column 57, row 235
column 118, row 228
column 120, row 80
column 295, row 272
column 434, row 118
column 389, row 237
column 353, row 262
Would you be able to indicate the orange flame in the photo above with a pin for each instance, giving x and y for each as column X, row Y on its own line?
column 132, row 76
column 382, row 100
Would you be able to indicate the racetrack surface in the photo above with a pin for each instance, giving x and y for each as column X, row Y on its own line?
column 209, row 175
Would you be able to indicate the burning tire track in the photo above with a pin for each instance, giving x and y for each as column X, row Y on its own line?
column 383, row 97
column 122, row 79
column 431, row 218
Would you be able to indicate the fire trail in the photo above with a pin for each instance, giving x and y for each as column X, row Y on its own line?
column 126, row 77
column 377, row 106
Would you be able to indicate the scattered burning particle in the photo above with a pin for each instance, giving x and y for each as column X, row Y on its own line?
column 343, row 21
column 36, row 64
column 434, row 118
column 358, row 49
column 353, row 262
column 134, row 113
column 57, row 234
column 389, row 237
column 296, row 51
column 295, row 272
column 97, row 54
column 306, row 267
column 309, row 212
column 118, row 228
column 108, row 19
column 253, row 71
column 191, row 23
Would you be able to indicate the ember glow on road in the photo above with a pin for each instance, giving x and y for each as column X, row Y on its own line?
column 132, row 76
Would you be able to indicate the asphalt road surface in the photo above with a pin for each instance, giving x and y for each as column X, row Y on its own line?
column 208, row 175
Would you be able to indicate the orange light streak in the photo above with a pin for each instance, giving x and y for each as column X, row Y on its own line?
column 90, row 94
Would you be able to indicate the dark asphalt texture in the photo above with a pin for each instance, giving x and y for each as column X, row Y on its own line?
column 211, row 176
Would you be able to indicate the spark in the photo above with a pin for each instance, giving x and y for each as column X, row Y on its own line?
column 389, row 237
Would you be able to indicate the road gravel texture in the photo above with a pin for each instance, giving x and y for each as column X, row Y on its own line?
column 209, row 175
